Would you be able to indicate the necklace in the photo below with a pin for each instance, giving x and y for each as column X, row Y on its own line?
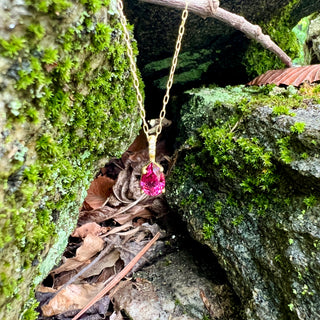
column 152, row 180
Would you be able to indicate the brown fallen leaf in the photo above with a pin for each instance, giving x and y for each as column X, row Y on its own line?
column 97, row 215
column 289, row 76
column 134, row 212
column 139, row 143
column 72, row 297
column 89, row 228
column 98, row 192
column 90, row 247
column 107, row 261
column 115, row 230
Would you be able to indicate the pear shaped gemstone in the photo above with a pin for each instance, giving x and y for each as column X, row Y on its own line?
column 152, row 182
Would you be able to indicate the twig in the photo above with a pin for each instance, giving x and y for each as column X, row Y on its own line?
column 207, row 304
column 118, row 277
column 210, row 8
column 236, row 125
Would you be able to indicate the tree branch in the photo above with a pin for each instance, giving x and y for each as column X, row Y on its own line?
column 210, row 8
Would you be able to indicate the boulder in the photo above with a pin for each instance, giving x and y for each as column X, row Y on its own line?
column 247, row 182
column 66, row 102
column 176, row 287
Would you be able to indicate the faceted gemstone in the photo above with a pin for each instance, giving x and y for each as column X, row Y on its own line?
column 152, row 182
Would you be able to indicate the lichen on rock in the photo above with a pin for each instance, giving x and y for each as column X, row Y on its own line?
column 66, row 101
column 247, row 184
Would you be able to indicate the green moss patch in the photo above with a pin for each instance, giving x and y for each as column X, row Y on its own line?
column 259, row 60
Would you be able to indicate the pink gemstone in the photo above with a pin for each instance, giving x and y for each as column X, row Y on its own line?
column 152, row 183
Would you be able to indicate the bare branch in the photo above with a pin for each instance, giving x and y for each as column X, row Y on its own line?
column 210, row 8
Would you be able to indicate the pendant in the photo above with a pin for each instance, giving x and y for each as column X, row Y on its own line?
column 152, row 180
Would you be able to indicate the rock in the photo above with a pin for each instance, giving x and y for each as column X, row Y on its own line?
column 247, row 181
column 312, row 46
column 66, row 101
column 170, row 289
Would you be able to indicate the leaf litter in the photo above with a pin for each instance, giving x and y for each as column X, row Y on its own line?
column 115, row 223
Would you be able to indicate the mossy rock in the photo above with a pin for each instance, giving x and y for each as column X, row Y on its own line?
column 66, row 103
column 246, row 182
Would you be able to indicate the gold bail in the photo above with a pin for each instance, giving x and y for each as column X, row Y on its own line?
column 152, row 148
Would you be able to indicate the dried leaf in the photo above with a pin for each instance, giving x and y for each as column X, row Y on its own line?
column 64, row 277
column 98, row 193
column 289, row 76
column 139, row 143
column 107, row 261
column 70, row 264
column 136, row 211
column 89, row 228
column 98, row 215
column 120, row 228
column 71, row 298
column 90, row 247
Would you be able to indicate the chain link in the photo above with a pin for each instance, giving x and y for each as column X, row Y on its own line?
column 133, row 69
column 173, row 68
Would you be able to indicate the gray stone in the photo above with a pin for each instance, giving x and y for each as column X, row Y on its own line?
column 170, row 290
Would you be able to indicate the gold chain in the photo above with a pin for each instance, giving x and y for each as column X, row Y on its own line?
column 133, row 69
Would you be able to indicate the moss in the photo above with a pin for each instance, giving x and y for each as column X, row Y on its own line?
column 51, row 6
column 80, row 89
column 298, row 127
column 11, row 48
column 258, row 60
column 50, row 55
column 285, row 153
column 37, row 30
column 282, row 109
column 310, row 201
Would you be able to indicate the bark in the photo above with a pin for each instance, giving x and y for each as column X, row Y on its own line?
column 210, row 8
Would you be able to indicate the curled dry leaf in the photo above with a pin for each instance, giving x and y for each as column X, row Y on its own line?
column 127, row 187
column 90, row 247
column 98, row 192
column 71, row 298
column 289, row 76
column 91, row 228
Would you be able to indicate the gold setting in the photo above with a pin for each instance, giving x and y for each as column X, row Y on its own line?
column 144, row 169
